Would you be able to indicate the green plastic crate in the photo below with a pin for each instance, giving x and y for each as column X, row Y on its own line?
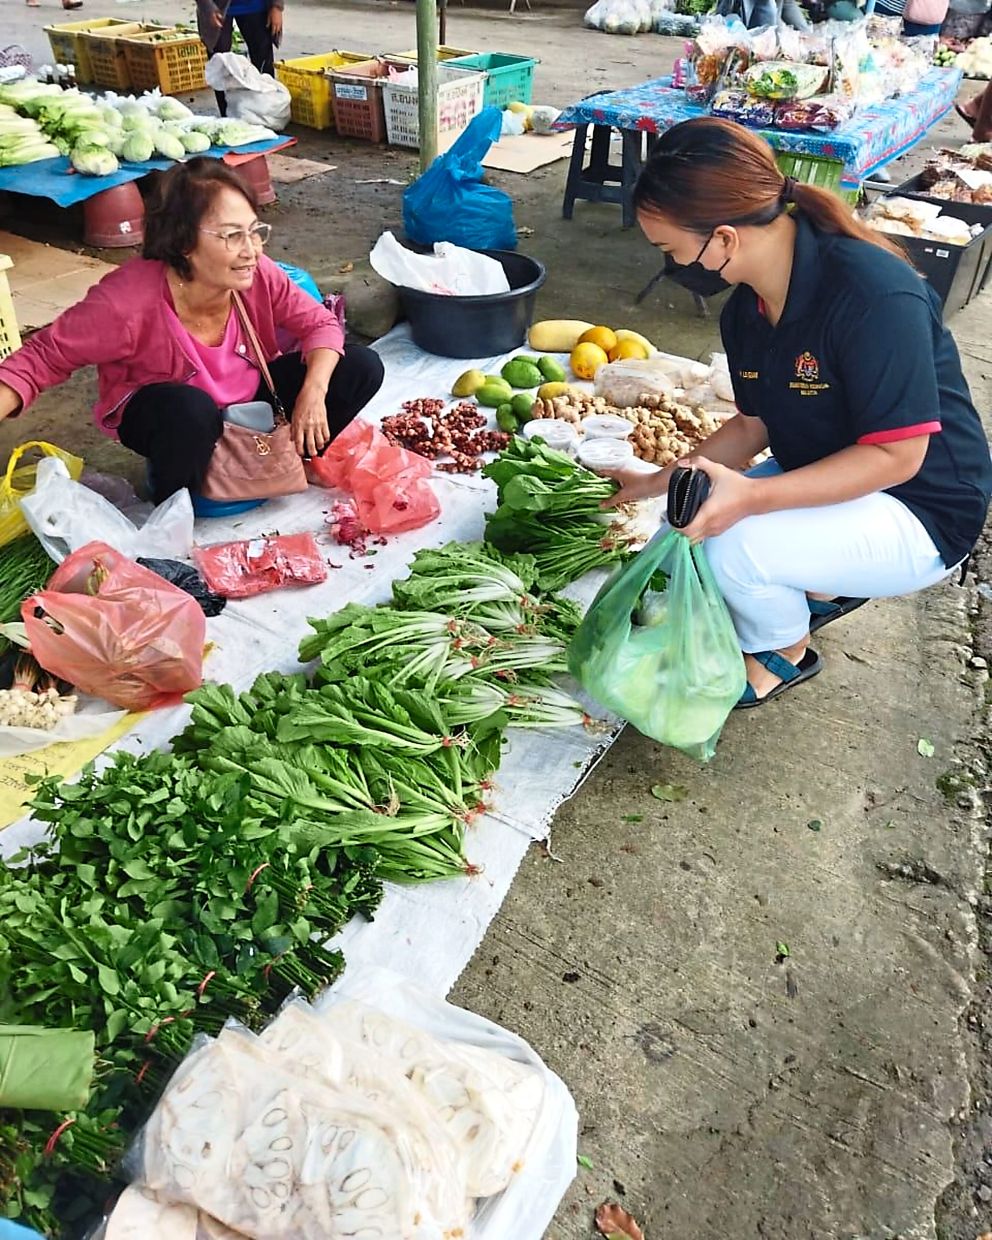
column 816, row 170
column 509, row 78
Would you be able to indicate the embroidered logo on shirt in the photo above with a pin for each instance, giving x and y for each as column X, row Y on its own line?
column 748, row 374
column 807, row 367
column 807, row 381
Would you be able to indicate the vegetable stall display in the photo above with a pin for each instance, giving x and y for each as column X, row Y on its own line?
column 180, row 890
column 40, row 120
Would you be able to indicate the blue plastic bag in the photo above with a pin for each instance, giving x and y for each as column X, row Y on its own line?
column 303, row 279
column 451, row 203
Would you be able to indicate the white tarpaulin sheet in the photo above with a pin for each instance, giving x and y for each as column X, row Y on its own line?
column 540, row 767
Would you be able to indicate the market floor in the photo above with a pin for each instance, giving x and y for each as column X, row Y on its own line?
column 765, row 980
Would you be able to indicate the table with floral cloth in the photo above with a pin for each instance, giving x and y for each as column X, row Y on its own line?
column 877, row 134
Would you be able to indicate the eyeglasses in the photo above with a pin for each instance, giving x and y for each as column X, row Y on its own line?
column 235, row 238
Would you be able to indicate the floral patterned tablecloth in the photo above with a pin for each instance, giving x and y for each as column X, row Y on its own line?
column 877, row 133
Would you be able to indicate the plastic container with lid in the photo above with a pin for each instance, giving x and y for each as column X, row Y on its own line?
column 555, row 433
column 606, row 453
column 607, row 426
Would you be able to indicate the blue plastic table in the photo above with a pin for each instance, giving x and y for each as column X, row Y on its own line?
column 877, row 134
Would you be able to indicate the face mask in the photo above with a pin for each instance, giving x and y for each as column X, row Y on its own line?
column 694, row 276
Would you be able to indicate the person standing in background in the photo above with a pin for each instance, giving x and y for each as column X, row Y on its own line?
column 260, row 23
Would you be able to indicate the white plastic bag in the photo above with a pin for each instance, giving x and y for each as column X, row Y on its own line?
column 66, row 515
column 450, row 270
column 90, row 718
column 251, row 96
column 525, row 1209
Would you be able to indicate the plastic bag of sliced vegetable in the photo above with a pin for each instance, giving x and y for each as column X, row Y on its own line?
column 657, row 646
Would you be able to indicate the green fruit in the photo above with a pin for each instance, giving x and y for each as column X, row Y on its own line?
column 522, row 406
column 468, row 383
column 492, row 396
column 499, row 381
column 520, row 373
column 506, row 419
column 552, row 369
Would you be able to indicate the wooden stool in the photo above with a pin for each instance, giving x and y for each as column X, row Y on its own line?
column 599, row 180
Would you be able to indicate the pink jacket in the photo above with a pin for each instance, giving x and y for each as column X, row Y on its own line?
column 120, row 326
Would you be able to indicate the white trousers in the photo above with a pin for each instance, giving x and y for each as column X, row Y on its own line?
column 872, row 547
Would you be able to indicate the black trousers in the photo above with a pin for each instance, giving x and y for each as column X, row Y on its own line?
column 255, row 31
column 175, row 426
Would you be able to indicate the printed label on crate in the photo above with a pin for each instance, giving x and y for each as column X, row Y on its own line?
column 358, row 93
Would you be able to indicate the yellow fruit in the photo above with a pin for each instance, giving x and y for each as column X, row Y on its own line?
column 522, row 109
column 624, row 349
column 586, row 359
column 605, row 337
column 625, row 333
column 468, row 383
column 556, row 335
column 548, row 391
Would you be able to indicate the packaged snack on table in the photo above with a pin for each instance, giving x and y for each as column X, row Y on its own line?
column 822, row 112
column 738, row 105
column 782, row 79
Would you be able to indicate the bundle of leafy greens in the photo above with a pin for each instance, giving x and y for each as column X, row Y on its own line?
column 549, row 507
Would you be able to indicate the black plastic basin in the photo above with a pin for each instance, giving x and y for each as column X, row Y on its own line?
column 477, row 326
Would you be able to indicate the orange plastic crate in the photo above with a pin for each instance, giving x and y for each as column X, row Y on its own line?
column 69, row 49
column 175, row 64
column 107, row 55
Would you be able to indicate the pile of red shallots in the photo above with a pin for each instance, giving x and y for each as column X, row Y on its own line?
column 423, row 427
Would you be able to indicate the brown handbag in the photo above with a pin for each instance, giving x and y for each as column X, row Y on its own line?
column 250, row 464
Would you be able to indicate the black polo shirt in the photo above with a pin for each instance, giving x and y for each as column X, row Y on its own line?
column 861, row 355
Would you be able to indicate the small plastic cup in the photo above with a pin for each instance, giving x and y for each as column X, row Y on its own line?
column 606, row 453
column 556, row 434
column 607, row 426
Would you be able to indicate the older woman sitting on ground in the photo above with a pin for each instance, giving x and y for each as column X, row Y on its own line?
column 170, row 349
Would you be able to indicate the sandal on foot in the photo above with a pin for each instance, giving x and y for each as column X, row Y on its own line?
column 822, row 611
column 790, row 674
column 968, row 120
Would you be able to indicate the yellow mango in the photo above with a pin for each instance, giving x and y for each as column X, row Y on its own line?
column 557, row 335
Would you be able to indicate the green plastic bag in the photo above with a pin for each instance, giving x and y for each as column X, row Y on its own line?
column 658, row 648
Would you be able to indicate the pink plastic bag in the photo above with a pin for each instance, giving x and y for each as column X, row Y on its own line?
column 254, row 566
column 117, row 630
column 389, row 484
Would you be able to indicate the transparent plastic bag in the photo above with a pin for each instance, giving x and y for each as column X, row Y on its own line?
column 623, row 383
column 256, row 565
column 64, row 515
column 116, row 630
column 657, row 646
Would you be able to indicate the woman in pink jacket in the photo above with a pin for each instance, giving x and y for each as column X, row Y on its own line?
column 170, row 352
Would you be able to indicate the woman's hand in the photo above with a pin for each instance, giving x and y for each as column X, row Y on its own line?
column 730, row 499
column 311, row 433
column 635, row 484
column 275, row 23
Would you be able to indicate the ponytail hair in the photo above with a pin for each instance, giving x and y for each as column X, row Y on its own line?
column 709, row 172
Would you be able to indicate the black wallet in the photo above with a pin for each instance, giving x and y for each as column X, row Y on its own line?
column 687, row 491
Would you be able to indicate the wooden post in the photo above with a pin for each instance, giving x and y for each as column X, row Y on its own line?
column 427, row 75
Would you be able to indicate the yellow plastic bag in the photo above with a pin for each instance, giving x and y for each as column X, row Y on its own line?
column 19, row 480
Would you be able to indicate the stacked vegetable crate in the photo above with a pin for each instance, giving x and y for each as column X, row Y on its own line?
column 443, row 53
column 69, row 49
column 10, row 337
column 171, row 60
column 108, row 55
column 459, row 99
column 309, row 84
column 358, row 106
column 816, row 170
column 509, row 78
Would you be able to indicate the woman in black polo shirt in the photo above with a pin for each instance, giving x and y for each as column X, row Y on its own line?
column 841, row 366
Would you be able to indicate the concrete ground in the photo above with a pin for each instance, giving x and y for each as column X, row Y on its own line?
column 841, row 1088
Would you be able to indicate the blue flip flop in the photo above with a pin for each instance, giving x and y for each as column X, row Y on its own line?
column 823, row 611
column 790, row 675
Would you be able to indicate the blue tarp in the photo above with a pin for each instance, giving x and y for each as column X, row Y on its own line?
column 55, row 179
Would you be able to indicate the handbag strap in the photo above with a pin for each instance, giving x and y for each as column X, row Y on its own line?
column 256, row 348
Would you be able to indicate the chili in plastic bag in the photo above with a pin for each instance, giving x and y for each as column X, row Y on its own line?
column 116, row 630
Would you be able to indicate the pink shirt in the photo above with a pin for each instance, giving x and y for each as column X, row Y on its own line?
column 225, row 373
